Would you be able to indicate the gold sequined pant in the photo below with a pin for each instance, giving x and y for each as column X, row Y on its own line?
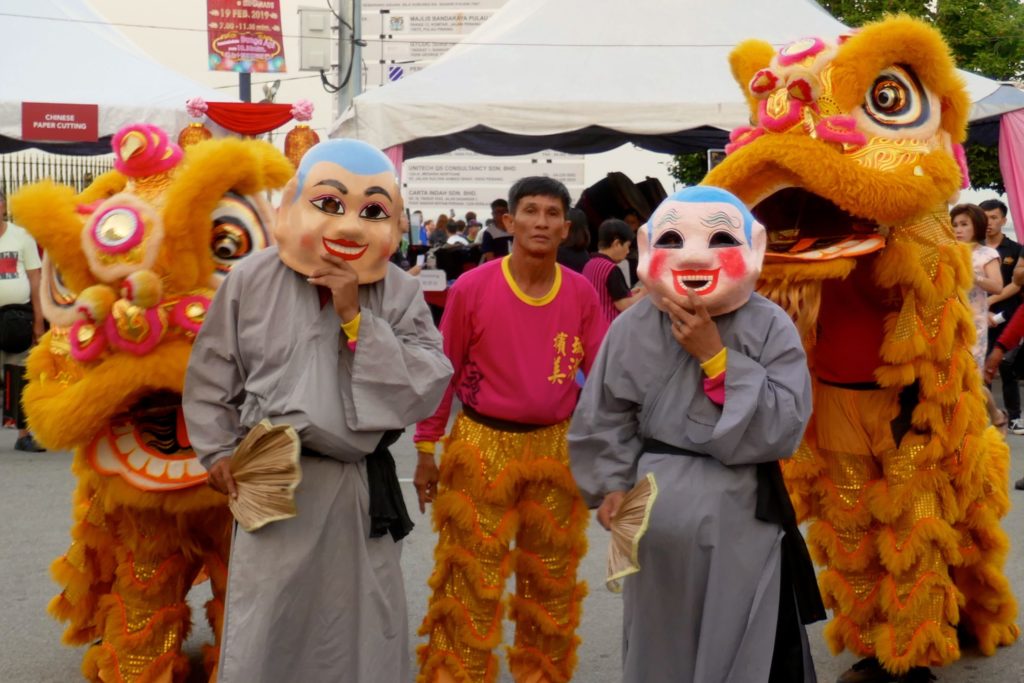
column 498, row 487
column 882, row 535
column 124, row 581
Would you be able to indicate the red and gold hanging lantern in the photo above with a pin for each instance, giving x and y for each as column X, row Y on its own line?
column 195, row 131
column 302, row 137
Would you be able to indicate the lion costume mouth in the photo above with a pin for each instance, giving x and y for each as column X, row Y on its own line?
column 805, row 226
column 148, row 446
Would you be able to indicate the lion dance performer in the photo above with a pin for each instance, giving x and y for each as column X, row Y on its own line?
column 131, row 265
column 850, row 162
column 516, row 329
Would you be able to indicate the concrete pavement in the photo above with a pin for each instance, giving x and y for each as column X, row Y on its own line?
column 35, row 493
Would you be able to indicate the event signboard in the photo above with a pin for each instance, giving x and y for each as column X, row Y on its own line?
column 464, row 180
column 52, row 122
column 245, row 36
column 404, row 36
column 461, row 198
column 398, row 5
column 489, row 171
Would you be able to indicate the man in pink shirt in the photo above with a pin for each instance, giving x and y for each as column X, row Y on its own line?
column 516, row 330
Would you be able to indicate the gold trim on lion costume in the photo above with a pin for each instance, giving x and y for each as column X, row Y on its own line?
column 854, row 148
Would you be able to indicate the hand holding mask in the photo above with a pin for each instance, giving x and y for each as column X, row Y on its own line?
column 693, row 327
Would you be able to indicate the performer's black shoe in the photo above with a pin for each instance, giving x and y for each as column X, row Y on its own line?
column 919, row 674
column 868, row 670
column 1020, row 484
column 28, row 444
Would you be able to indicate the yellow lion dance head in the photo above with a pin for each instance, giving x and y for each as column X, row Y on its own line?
column 130, row 266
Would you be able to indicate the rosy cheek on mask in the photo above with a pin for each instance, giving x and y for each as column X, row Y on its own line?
column 307, row 242
column 732, row 262
column 657, row 267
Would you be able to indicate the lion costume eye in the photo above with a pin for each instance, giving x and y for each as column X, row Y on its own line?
column 238, row 230
column 896, row 99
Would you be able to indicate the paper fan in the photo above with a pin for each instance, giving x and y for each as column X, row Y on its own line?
column 266, row 470
column 628, row 526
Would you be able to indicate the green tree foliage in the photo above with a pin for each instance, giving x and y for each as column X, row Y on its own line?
column 690, row 168
column 986, row 37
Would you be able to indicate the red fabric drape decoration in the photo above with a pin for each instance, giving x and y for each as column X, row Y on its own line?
column 249, row 119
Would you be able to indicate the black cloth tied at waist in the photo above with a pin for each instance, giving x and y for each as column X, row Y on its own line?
column 774, row 506
column 388, row 514
column 498, row 423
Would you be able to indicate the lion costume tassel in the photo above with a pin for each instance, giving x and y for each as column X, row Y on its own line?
column 906, row 495
column 131, row 265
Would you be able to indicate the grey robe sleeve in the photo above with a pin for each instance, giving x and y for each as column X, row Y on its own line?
column 767, row 400
column 215, row 379
column 398, row 371
column 604, row 438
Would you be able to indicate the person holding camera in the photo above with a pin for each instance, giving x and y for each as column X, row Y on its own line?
column 21, row 318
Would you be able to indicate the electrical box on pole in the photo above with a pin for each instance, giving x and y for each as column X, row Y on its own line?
column 315, row 40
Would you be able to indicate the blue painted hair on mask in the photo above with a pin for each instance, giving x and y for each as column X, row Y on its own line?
column 353, row 155
column 706, row 194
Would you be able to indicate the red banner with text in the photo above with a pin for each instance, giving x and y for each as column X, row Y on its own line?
column 52, row 122
column 245, row 35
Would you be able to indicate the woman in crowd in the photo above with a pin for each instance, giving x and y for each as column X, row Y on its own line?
column 574, row 251
column 969, row 223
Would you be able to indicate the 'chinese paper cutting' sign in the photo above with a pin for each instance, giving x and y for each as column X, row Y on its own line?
column 245, row 35
column 46, row 121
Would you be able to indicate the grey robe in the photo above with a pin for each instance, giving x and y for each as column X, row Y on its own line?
column 703, row 607
column 313, row 598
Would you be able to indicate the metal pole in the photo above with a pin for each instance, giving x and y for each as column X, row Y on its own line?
column 351, row 12
column 357, row 55
column 245, row 87
column 382, row 64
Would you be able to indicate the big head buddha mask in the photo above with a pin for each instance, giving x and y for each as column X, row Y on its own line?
column 702, row 239
column 344, row 200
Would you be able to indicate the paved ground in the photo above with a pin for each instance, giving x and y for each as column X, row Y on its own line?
column 35, row 509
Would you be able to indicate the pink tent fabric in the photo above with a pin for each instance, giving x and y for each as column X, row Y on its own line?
column 1011, row 165
column 397, row 154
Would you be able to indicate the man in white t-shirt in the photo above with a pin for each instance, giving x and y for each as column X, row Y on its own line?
column 20, row 270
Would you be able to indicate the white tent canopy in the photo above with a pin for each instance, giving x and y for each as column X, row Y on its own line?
column 589, row 75
column 62, row 51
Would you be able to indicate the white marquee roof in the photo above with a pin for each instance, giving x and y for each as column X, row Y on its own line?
column 590, row 75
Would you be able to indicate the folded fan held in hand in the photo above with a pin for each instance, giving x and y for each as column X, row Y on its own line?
column 628, row 526
column 266, row 470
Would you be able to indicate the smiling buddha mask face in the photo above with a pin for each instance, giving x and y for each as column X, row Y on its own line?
column 344, row 201
column 703, row 239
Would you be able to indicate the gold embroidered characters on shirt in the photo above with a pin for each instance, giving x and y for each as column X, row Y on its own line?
column 566, row 363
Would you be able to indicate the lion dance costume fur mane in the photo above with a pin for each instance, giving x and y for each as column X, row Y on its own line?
column 131, row 264
column 861, row 135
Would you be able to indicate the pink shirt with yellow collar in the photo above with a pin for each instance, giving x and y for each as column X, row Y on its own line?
column 516, row 357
